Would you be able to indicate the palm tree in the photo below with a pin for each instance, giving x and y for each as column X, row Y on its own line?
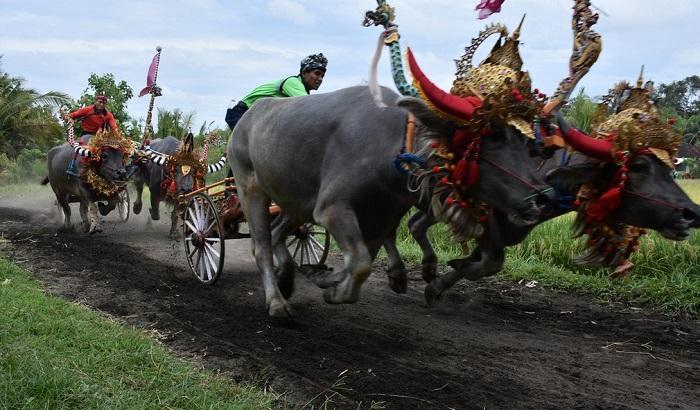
column 580, row 112
column 174, row 123
column 26, row 116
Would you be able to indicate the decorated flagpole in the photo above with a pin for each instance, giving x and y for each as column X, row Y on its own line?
column 384, row 15
column 587, row 45
column 155, row 92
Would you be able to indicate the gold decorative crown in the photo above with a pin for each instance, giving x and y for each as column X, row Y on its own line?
column 113, row 139
column 186, row 155
column 636, row 123
column 496, row 78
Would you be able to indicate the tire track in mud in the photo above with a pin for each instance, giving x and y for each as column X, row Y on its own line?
column 491, row 345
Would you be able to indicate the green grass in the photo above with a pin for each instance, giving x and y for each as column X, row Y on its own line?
column 8, row 190
column 666, row 275
column 58, row 355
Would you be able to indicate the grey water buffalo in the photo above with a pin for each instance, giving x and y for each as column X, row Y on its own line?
column 173, row 168
column 650, row 199
column 328, row 159
column 153, row 174
column 110, row 169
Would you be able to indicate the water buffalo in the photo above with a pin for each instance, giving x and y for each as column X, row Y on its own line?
column 152, row 174
column 103, row 173
column 650, row 199
column 173, row 168
column 328, row 159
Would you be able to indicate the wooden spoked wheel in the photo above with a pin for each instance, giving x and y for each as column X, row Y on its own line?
column 203, row 234
column 309, row 245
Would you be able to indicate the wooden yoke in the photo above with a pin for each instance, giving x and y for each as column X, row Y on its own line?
column 410, row 133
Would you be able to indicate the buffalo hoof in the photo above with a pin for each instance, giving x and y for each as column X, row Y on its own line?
column 104, row 209
column 280, row 309
column 94, row 230
column 86, row 227
column 322, row 276
column 432, row 293
column 464, row 266
column 285, row 282
column 429, row 269
column 175, row 235
column 398, row 280
column 66, row 229
column 154, row 215
column 344, row 292
column 137, row 208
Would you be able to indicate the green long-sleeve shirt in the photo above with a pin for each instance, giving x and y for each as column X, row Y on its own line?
column 289, row 87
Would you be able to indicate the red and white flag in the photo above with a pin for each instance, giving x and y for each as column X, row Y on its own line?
column 488, row 7
column 151, row 76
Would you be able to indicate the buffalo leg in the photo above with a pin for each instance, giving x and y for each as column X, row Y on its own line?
column 65, row 206
column 342, row 223
column 174, row 221
column 396, row 272
column 282, row 226
column 155, row 202
column 256, row 209
column 106, row 209
column 418, row 224
column 138, row 204
column 487, row 259
column 155, row 206
column 94, row 216
column 84, row 215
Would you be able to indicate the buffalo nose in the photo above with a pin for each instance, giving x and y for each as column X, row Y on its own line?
column 690, row 215
column 543, row 199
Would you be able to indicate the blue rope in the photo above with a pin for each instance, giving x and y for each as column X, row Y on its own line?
column 563, row 202
column 72, row 168
column 565, row 158
column 403, row 162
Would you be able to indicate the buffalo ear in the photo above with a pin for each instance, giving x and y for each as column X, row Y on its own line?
column 572, row 177
column 189, row 142
column 420, row 109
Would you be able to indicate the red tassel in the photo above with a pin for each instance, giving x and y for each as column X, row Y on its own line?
column 460, row 139
column 460, row 171
column 607, row 202
column 173, row 187
column 472, row 173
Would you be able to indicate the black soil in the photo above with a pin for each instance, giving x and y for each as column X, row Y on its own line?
column 490, row 345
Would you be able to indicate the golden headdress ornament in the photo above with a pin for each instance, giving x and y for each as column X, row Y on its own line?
column 629, row 117
column 110, row 139
column 187, row 156
column 498, row 80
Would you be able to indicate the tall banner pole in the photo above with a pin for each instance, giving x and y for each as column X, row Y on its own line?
column 155, row 92
column 384, row 15
column 587, row 45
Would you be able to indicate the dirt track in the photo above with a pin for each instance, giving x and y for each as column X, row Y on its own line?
column 491, row 345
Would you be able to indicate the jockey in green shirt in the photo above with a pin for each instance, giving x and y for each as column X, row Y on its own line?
column 311, row 72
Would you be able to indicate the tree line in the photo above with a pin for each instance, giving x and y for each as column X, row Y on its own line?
column 29, row 124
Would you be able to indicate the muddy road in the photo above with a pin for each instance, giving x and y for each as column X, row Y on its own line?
column 490, row 345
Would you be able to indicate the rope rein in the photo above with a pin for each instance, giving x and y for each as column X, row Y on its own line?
column 654, row 200
column 518, row 178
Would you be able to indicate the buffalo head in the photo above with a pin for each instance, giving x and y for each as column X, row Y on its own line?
column 650, row 199
column 492, row 156
column 111, row 165
column 184, row 177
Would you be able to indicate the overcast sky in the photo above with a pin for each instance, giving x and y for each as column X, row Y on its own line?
column 215, row 51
